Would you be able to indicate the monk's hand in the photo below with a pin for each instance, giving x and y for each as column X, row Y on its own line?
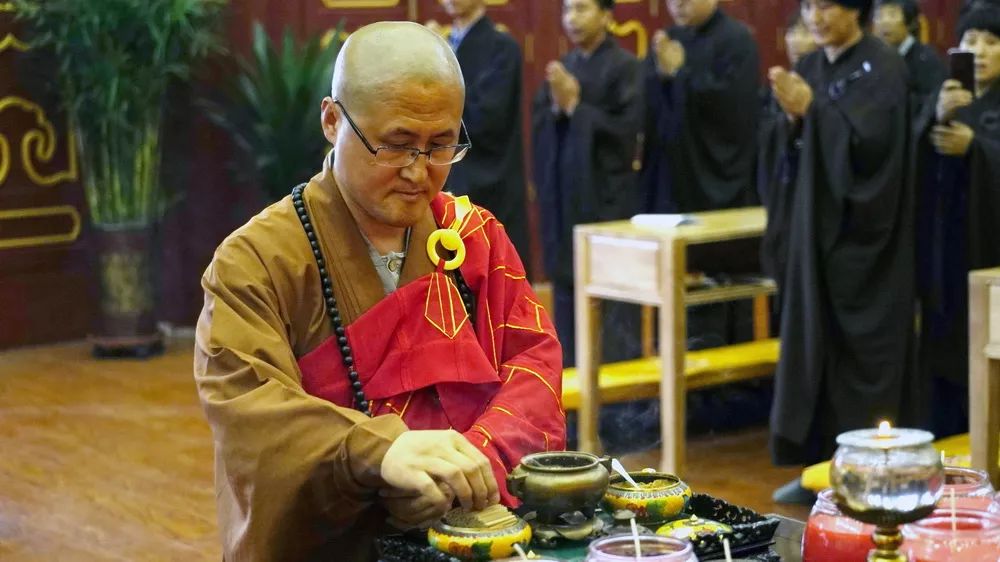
column 792, row 92
column 564, row 86
column 952, row 97
column 952, row 139
column 417, row 461
column 670, row 54
column 409, row 511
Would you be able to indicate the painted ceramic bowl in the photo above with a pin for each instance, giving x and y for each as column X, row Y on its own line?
column 660, row 497
column 479, row 544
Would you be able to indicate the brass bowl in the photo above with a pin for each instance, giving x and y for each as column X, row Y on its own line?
column 479, row 544
column 664, row 499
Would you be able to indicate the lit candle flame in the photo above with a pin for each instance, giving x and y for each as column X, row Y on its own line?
column 884, row 429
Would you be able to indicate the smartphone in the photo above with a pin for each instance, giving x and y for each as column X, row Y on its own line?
column 962, row 67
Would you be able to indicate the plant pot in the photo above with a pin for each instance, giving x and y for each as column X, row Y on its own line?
column 126, row 268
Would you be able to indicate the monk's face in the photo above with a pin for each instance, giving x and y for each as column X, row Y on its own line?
column 461, row 8
column 890, row 25
column 831, row 24
column 691, row 12
column 798, row 43
column 986, row 47
column 411, row 114
column 584, row 21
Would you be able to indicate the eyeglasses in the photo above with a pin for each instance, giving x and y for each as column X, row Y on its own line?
column 400, row 157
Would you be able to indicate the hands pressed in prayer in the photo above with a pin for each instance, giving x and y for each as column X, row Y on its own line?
column 564, row 86
column 670, row 54
column 792, row 92
column 952, row 139
column 952, row 97
column 420, row 464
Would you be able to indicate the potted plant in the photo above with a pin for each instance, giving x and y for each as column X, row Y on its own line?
column 114, row 62
column 271, row 109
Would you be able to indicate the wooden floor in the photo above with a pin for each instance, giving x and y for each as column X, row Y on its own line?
column 112, row 460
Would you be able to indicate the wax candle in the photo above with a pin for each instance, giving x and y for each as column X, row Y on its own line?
column 832, row 536
column 971, row 536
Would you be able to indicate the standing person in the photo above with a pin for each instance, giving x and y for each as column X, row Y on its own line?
column 848, row 299
column 492, row 175
column 586, row 120
column 700, row 141
column 959, row 159
column 347, row 371
column 897, row 22
column 774, row 180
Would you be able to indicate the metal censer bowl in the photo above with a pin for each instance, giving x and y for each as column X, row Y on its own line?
column 886, row 477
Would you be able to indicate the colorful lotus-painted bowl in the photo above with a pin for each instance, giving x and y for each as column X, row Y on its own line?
column 478, row 544
column 660, row 497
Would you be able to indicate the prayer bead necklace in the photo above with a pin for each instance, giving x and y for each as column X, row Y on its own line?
column 360, row 401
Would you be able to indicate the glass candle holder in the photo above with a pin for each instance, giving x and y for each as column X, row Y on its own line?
column 971, row 536
column 971, row 487
column 652, row 548
column 832, row 536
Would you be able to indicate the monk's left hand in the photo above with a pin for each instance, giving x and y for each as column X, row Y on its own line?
column 953, row 139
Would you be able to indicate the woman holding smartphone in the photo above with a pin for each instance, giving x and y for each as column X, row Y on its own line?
column 958, row 210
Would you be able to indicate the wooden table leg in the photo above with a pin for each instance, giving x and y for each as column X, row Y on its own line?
column 984, row 376
column 673, row 345
column 588, row 349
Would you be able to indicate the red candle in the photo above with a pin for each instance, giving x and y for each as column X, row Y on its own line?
column 969, row 536
column 834, row 537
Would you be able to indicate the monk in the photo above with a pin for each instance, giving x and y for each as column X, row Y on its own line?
column 369, row 349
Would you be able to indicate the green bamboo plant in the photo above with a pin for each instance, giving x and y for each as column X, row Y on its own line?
column 115, row 60
column 271, row 109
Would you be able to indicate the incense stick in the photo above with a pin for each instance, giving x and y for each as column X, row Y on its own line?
column 725, row 546
column 635, row 539
column 520, row 551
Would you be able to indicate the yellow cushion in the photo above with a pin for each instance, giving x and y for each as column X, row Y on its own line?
column 956, row 451
column 640, row 378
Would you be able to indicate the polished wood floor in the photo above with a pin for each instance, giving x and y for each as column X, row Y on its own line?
column 111, row 460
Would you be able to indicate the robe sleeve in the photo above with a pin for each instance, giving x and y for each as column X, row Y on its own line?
column 488, row 107
column 526, row 414
column 284, row 459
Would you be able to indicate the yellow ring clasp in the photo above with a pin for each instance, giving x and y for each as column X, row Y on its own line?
column 450, row 240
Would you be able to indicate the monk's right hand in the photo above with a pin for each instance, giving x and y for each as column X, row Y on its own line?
column 952, row 97
column 418, row 460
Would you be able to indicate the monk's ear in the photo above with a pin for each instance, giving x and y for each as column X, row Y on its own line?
column 330, row 120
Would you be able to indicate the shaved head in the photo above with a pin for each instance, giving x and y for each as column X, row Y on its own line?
column 387, row 58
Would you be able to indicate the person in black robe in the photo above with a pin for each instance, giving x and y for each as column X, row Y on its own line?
column 700, row 140
column 774, row 179
column 492, row 174
column 847, row 332
column 958, row 210
column 587, row 117
column 897, row 22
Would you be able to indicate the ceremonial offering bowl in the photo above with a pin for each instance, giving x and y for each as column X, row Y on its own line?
column 555, row 484
column 886, row 477
column 659, row 498
column 479, row 544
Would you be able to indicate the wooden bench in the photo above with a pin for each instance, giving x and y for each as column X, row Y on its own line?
column 640, row 379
